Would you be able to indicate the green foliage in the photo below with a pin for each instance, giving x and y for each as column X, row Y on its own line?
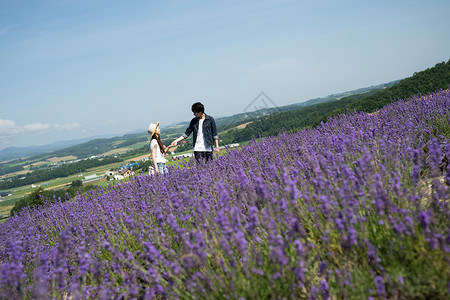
column 424, row 82
column 39, row 197
column 134, row 152
column 184, row 146
column 143, row 165
column 76, row 183
column 36, row 198
column 441, row 127
column 10, row 169
column 420, row 83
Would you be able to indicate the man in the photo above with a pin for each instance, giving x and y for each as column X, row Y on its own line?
column 205, row 134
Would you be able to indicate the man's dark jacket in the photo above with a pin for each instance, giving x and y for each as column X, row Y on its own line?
column 209, row 131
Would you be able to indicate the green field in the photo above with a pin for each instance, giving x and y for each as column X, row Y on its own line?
column 7, row 203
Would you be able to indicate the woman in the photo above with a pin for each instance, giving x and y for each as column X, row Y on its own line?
column 157, row 149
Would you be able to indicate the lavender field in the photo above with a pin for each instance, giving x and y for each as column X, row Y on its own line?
column 357, row 208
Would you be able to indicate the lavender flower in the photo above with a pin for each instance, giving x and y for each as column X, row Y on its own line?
column 283, row 210
column 380, row 286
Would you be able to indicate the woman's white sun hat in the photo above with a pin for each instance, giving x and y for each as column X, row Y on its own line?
column 152, row 128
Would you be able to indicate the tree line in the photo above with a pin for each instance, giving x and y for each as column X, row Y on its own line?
column 424, row 82
column 10, row 169
column 39, row 197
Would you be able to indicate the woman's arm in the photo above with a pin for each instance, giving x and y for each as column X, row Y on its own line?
column 155, row 164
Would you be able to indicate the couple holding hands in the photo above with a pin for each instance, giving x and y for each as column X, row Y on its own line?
column 205, row 138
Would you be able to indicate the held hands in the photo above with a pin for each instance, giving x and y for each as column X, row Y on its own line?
column 217, row 151
column 168, row 147
column 174, row 143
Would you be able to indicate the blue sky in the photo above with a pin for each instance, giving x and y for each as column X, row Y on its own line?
column 72, row 69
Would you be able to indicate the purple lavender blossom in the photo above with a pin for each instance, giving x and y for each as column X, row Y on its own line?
column 380, row 286
column 424, row 219
column 325, row 289
column 283, row 210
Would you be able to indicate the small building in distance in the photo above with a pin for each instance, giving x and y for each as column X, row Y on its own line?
column 127, row 173
column 181, row 156
column 118, row 177
column 229, row 146
column 4, row 194
column 109, row 173
column 91, row 178
column 129, row 166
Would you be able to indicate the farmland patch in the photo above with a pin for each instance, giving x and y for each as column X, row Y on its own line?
column 242, row 126
column 63, row 158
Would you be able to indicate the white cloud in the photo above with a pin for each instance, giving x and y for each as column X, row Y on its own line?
column 10, row 128
column 7, row 127
column 71, row 126
column 34, row 127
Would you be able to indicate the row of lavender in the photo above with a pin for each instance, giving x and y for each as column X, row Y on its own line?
column 356, row 208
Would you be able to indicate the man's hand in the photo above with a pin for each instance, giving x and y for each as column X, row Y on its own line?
column 174, row 143
column 217, row 151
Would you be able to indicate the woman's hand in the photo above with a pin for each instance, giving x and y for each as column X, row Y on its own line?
column 166, row 149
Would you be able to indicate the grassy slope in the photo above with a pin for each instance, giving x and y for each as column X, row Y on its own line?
column 424, row 82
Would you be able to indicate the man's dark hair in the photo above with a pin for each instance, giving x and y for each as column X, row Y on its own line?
column 197, row 107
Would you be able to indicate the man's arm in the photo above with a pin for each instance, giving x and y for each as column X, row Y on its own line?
column 214, row 129
column 187, row 133
column 215, row 136
column 174, row 143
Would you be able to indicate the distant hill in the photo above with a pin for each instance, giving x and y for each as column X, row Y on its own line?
column 424, row 82
column 18, row 152
column 30, row 151
column 225, row 123
column 101, row 144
